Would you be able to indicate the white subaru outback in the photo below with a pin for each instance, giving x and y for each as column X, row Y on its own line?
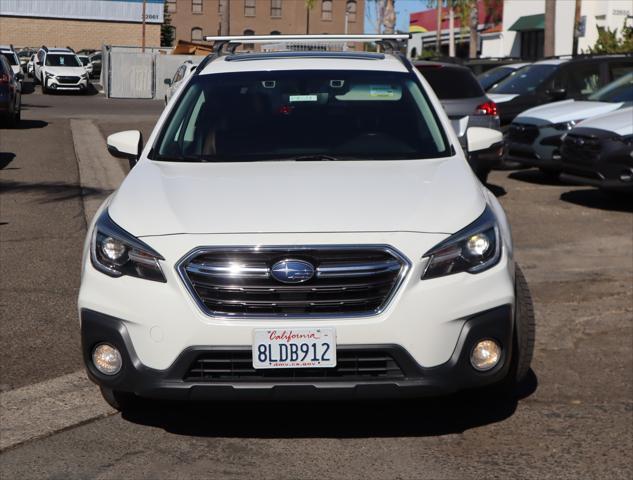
column 302, row 224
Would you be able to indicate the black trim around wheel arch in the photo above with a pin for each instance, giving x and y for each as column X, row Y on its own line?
column 456, row 374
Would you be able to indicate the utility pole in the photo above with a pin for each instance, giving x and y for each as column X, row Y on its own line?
column 474, row 36
column 451, row 31
column 143, row 34
column 549, row 48
column 225, row 17
column 574, row 48
column 438, row 33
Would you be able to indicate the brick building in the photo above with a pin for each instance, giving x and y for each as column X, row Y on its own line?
column 79, row 24
column 193, row 19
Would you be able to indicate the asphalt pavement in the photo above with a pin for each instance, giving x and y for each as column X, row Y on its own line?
column 573, row 418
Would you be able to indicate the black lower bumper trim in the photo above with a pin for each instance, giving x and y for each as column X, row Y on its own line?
column 456, row 374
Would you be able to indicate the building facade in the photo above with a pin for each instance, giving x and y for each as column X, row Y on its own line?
column 85, row 24
column 192, row 20
column 516, row 28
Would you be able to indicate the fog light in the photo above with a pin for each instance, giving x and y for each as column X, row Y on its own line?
column 107, row 359
column 485, row 355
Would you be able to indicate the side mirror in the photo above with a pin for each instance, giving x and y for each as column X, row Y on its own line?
column 167, row 82
column 479, row 139
column 127, row 144
column 557, row 93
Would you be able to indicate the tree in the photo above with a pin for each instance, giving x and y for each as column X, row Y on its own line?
column 166, row 30
column 550, row 28
column 610, row 42
column 309, row 6
column 389, row 21
column 376, row 17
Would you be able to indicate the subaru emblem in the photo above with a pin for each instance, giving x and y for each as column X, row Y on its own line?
column 292, row 271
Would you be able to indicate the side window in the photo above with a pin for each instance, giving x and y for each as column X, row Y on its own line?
column 584, row 80
column 619, row 69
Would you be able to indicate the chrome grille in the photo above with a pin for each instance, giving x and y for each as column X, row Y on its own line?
column 67, row 79
column 347, row 280
column 581, row 149
column 522, row 133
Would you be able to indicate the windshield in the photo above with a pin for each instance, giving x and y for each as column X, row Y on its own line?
column 489, row 78
column 55, row 60
column 524, row 80
column 11, row 58
column 619, row 91
column 301, row 115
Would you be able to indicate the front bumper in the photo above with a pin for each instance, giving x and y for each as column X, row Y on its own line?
column 455, row 374
column 54, row 84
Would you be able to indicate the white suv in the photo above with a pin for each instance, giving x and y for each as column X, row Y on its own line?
column 60, row 69
column 302, row 223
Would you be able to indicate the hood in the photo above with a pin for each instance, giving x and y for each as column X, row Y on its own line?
column 619, row 122
column 502, row 97
column 568, row 110
column 159, row 198
column 66, row 71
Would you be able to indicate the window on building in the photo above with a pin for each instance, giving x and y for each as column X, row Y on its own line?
column 275, row 32
column 196, row 34
column 275, row 8
column 351, row 10
column 171, row 6
column 249, row 8
column 248, row 46
column 326, row 10
column 196, row 6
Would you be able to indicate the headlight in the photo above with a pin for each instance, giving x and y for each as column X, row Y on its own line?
column 473, row 249
column 84, row 75
column 115, row 252
column 564, row 126
column 49, row 75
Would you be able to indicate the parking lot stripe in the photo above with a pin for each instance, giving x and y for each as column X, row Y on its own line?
column 99, row 173
column 44, row 408
column 41, row 409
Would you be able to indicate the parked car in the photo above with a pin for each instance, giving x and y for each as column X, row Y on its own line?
column 30, row 66
column 534, row 137
column 9, row 54
column 481, row 65
column 308, row 225
column 556, row 79
column 95, row 61
column 10, row 94
column 466, row 104
column 182, row 73
column 85, row 61
column 490, row 78
column 599, row 152
column 59, row 69
column 24, row 55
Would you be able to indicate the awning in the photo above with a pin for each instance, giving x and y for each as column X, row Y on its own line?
column 529, row 22
column 417, row 29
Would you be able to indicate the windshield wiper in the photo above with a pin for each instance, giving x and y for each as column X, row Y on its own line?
column 315, row 158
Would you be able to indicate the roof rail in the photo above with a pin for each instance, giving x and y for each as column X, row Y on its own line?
column 389, row 42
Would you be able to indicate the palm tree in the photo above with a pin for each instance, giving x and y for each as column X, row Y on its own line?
column 309, row 6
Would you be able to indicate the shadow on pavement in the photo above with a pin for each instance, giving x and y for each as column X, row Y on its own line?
column 496, row 190
column 594, row 198
column 5, row 159
column 537, row 177
column 393, row 418
column 26, row 125
column 54, row 191
column 27, row 87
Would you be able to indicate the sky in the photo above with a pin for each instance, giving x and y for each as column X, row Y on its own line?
column 403, row 9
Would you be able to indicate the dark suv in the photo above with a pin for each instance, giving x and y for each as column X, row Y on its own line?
column 556, row 79
column 466, row 104
column 10, row 94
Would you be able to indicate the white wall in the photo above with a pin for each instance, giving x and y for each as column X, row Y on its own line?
column 492, row 45
column 614, row 12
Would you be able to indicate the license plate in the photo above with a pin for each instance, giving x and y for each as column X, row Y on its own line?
column 294, row 348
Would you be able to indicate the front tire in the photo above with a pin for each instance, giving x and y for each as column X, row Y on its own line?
column 522, row 339
column 120, row 401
